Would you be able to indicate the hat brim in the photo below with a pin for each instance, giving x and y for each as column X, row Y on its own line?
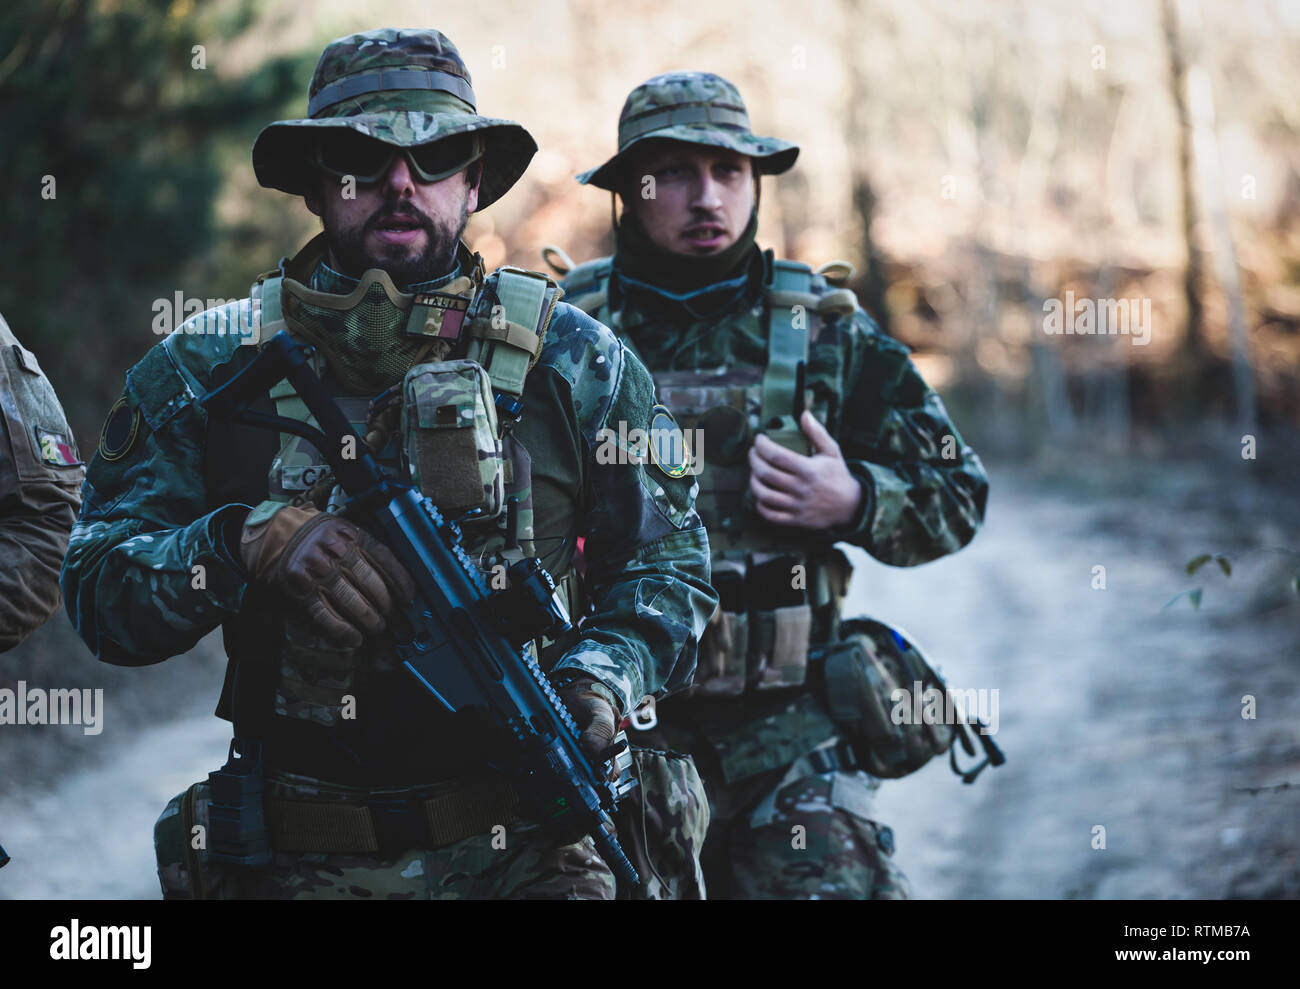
column 771, row 155
column 280, row 153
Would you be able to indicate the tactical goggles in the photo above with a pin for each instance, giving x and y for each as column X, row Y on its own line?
column 344, row 153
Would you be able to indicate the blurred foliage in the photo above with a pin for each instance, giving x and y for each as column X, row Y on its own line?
column 1195, row 595
column 971, row 160
column 106, row 98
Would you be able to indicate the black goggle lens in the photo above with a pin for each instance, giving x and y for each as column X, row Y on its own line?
column 368, row 160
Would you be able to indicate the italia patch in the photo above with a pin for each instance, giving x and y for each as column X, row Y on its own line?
column 56, row 449
column 120, row 431
column 667, row 444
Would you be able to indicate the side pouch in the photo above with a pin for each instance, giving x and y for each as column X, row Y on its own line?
column 183, row 867
column 662, row 824
column 724, row 647
column 451, row 445
column 868, row 675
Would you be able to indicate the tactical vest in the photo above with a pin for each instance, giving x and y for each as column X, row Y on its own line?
column 775, row 596
column 454, row 442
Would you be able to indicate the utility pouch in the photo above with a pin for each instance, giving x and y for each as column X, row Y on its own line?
column 724, row 647
column 780, row 622
column 869, row 676
column 451, row 445
column 237, row 833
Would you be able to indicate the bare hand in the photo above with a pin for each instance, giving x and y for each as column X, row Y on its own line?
column 815, row 492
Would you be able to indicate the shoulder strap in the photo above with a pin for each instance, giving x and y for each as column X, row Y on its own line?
column 507, row 328
column 791, row 307
column 266, row 296
column 587, row 286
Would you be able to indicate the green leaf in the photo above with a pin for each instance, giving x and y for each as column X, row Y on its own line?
column 1223, row 565
column 1198, row 562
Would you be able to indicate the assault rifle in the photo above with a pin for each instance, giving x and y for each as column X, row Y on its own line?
column 467, row 646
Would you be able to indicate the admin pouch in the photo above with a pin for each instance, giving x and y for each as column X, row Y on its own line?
column 452, row 446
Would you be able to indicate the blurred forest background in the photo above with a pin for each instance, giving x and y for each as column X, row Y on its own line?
column 972, row 160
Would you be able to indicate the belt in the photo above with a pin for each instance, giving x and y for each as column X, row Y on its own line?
column 390, row 826
column 833, row 759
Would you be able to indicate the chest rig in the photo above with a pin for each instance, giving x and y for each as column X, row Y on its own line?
column 776, row 596
column 445, row 426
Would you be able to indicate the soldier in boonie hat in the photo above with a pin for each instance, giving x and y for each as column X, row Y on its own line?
column 407, row 89
column 810, row 427
column 448, row 375
column 695, row 107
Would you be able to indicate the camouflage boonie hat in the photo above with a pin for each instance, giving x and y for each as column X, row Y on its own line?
column 696, row 107
column 404, row 88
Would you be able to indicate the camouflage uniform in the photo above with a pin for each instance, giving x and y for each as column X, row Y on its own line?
column 176, row 495
column 789, row 820
column 40, row 476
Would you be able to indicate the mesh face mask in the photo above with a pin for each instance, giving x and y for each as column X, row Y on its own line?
column 364, row 335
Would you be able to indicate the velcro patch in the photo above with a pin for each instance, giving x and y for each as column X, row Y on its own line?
column 446, row 314
column 56, row 449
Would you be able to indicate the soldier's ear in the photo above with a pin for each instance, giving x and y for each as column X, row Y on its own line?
column 615, row 214
column 311, row 196
column 473, row 176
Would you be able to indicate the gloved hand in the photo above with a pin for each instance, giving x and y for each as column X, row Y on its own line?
column 595, row 709
column 346, row 580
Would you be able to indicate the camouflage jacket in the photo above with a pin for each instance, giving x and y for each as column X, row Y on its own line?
column 175, row 500
column 40, row 474
column 926, row 489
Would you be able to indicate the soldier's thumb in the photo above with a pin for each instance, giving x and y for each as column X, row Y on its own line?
column 821, row 440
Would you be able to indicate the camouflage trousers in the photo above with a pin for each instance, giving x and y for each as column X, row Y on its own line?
column 513, row 861
column 800, row 835
column 662, row 825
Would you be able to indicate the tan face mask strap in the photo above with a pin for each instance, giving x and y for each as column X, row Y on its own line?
column 343, row 303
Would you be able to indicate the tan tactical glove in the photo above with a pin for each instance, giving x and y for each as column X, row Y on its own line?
column 345, row 579
column 595, row 709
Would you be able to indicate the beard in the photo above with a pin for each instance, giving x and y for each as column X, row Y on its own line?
column 442, row 235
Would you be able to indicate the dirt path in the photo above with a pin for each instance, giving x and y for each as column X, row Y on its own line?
column 92, row 836
column 1112, row 712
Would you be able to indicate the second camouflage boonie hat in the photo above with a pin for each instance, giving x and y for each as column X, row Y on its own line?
column 404, row 88
column 697, row 107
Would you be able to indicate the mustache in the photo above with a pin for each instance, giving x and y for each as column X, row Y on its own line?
column 408, row 213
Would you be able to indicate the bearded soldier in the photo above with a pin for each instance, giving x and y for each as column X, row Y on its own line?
column 40, row 476
column 811, row 427
column 491, row 395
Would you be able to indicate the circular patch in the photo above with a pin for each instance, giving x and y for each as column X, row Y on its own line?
column 667, row 444
column 885, row 838
column 120, row 431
